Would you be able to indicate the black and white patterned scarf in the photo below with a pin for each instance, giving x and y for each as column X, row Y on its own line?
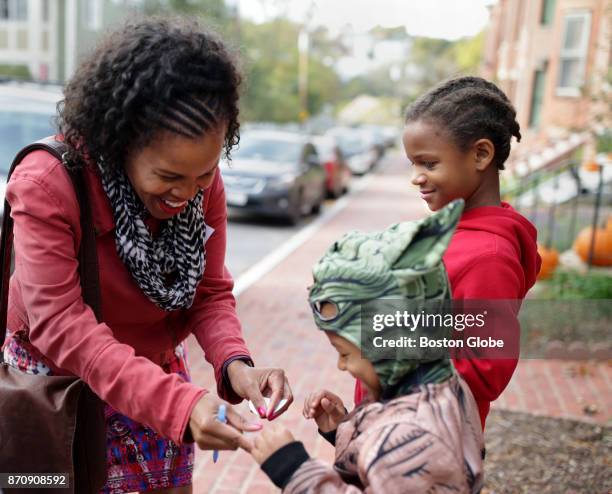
column 168, row 268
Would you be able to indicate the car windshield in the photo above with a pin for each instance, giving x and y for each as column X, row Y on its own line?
column 324, row 146
column 350, row 143
column 268, row 149
column 21, row 126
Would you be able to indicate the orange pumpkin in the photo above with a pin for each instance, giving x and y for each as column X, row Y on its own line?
column 591, row 166
column 602, row 251
column 550, row 260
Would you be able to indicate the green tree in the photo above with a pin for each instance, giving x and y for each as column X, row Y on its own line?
column 467, row 53
column 270, row 63
column 15, row 71
column 214, row 10
column 389, row 33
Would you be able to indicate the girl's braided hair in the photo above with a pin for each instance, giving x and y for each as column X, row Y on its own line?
column 468, row 109
column 150, row 75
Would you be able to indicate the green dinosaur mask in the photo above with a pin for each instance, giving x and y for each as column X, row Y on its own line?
column 405, row 260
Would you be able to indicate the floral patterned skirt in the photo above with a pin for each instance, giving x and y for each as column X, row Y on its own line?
column 138, row 458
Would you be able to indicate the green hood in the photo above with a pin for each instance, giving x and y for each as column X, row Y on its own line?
column 405, row 260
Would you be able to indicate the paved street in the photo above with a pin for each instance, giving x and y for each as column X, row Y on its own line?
column 250, row 238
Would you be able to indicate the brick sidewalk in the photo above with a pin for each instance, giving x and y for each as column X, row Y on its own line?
column 280, row 332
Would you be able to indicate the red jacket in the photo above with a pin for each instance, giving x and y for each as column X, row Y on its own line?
column 119, row 357
column 492, row 255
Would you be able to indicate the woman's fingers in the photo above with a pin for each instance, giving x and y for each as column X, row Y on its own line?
column 223, row 437
column 255, row 383
column 208, row 442
column 211, row 433
column 287, row 395
column 237, row 421
column 254, row 394
column 277, row 383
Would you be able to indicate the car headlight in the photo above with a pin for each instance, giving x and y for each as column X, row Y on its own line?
column 280, row 183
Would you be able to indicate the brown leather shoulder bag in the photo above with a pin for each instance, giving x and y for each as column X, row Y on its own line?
column 52, row 424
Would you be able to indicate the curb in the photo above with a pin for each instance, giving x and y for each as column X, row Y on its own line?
column 274, row 258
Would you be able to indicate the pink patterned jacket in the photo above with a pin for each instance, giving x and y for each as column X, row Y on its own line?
column 428, row 441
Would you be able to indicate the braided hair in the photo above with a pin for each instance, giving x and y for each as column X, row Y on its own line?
column 468, row 109
column 148, row 76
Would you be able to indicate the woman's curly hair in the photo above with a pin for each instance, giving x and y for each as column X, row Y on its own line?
column 151, row 75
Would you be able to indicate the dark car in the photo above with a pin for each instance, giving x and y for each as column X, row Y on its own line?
column 358, row 148
column 338, row 174
column 275, row 173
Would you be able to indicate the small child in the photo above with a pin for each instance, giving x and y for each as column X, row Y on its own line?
column 420, row 431
column 457, row 137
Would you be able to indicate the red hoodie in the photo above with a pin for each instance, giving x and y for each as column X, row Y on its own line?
column 492, row 255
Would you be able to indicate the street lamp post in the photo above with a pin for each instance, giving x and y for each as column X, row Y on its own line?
column 303, row 48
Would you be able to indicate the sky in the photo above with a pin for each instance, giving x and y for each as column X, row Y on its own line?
column 449, row 19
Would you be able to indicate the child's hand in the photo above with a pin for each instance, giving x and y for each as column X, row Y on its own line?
column 272, row 438
column 326, row 408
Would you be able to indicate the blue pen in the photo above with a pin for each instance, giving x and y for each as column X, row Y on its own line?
column 221, row 417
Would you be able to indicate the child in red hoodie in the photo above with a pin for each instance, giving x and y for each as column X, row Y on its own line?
column 457, row 137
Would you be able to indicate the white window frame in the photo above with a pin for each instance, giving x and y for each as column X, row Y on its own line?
column 580, row 52
column 92, row 14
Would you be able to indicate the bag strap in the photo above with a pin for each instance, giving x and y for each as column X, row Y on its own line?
column 88, row 257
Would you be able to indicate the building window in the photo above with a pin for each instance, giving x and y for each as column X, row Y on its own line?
column 92, row 14
column 4, row 9
column 548, row 12
column 44, row 41
column 21, row 10
column 14, row 10
column 537, row 97
column 574, row 49
column 22, row 39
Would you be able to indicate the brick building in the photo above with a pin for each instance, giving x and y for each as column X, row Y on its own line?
column 552, row 58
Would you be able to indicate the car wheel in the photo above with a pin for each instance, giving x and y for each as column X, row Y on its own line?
column 294, row 213
column 316, row 208
column 337, row 192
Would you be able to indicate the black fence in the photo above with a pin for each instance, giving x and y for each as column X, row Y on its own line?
column 562, row 200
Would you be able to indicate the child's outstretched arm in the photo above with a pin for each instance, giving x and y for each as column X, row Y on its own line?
column 394, row 459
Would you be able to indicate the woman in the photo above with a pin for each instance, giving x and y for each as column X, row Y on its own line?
column 148, row 115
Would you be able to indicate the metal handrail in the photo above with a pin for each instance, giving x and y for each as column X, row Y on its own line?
column 551, row 174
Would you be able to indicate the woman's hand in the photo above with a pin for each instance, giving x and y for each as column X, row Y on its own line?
column 271, row 439
column 210, row 433
column 254, row 383
column 325, row 408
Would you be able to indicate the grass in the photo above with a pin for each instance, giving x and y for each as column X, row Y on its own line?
column 570, row 285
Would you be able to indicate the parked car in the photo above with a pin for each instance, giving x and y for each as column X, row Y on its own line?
column 26, row 115
column 375, row 138
column 391, row 135
column 337, row 172
column 275, row 173
column 358, row 149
